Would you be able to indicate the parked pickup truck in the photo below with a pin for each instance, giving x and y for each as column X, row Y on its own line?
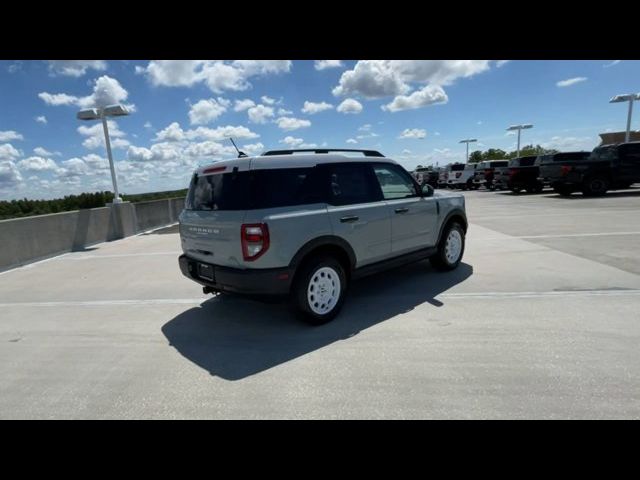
column 520, row 174
column 609, row 167
column 484, row 172
column 461, row 176
column 550, row 166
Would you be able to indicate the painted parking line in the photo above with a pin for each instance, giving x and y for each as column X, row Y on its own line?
column 448, row 296
column 603, row 234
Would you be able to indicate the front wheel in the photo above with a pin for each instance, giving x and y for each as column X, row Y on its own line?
column 319, row 289
column 450, row 248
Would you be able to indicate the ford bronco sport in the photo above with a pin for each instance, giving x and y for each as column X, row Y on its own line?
column 305, row 223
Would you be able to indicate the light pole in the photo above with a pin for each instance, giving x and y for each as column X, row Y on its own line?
column 519, row 128
column 102, row 114
column 629, row 97
column 468, row 141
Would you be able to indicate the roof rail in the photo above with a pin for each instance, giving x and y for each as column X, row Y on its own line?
column 367, row 153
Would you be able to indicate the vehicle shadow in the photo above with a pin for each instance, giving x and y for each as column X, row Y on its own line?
column 634, row 192
column 234, row 338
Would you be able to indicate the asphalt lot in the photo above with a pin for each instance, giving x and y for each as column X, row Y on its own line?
column 542, row 320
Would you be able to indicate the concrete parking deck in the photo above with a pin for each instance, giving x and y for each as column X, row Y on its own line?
column 542, row 320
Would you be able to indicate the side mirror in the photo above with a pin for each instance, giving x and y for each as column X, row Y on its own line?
column 427, row 190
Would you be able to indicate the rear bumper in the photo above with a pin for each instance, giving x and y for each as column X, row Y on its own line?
column 259, row 281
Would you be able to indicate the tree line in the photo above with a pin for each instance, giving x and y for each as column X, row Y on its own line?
column 26, row 208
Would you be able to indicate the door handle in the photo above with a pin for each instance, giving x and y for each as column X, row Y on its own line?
column 402, row 210
column 349, row 219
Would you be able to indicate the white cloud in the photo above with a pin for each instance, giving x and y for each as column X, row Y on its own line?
column 416, row 133
column 106, row 91
column 429, row 95
column 570, row 81
column 74, row 68
column 41, row 119
column 350, row 105
column 148, row 125
column 267, row 100
column 37, row 164
column 313, row 107
column 291, row 123
column 217, row 75
column 284, row 111
column 95, row 135
column 9, row 174
column 406, row 151
column 365, row 128
column 367, row 135
column 241, row 105
column 9, row 152
column 611, row 64
column 8, row 135
column 96, row 162
column 352, row 140
column 260, row 114
column 74, row 167
column 206, row 111
column 253, row 148
column 324, row 64
column 208, row 149
column 175, row 133
column 42, row 152
column 292, row 141
column 500, row 63
column 15, row 67
column 160, row 152
column 571, row 143
column 383, row 78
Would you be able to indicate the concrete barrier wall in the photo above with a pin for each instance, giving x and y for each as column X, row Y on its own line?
column 25, row 240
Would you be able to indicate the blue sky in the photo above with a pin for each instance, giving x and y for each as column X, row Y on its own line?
column 182, row 112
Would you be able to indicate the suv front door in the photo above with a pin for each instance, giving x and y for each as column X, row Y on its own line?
column 357, row 212
column 413, row 217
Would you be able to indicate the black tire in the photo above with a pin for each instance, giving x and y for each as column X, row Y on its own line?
column 301, row 283
column 439, row 260
column 595, row 186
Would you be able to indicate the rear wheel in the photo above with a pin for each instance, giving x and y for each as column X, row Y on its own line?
column 319, row 289
column 450, row 248
column 595, row 186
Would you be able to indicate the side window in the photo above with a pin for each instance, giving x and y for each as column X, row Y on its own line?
column 286, row 187
column 630, row 154
column 394, row 183
column 351, row 183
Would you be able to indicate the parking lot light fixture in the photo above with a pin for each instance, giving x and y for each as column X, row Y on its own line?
column 468, row 141
column 519, row 128
column 102, row 114
column 628, row 97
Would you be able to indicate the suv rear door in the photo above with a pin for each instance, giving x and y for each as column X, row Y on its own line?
column 629, row 166
column 357, row 212
column 413, row 217
column 214, row 210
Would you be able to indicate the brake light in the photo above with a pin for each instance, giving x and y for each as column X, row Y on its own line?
column 458, row 174
column 512, row 172
column 255, row 240
column 565, row 169
column 213, row 170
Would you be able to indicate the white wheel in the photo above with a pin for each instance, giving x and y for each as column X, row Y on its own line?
column 323, row 290
column 453, row 246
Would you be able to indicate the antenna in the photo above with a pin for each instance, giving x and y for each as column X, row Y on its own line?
column 240, row 154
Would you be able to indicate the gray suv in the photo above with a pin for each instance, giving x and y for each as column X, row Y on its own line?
column 305, row 223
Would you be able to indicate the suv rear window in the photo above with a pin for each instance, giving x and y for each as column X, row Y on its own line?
column 564, row 157
column 457, row 168
column 226, row 191
column 523, row 162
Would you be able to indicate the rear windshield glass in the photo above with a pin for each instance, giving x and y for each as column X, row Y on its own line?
column 218, row 192
column 457, row 168
column 502, row 163
column 564, row 157
column 256, row 189
column 523, row 162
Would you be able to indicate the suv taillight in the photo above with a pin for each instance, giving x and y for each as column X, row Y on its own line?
column 565, row 169
column 255, row 240
column 512, row 172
